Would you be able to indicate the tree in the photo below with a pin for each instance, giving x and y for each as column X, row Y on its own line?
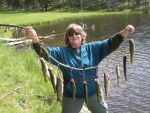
column 45, row 3
column 81, row 2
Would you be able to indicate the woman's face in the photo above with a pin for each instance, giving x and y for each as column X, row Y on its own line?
column 75, row 39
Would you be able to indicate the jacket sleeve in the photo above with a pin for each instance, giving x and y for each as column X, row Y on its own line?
column 41, row 50
column 115, row 41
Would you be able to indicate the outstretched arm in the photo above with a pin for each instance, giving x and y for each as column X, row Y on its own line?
column 38, row 47
column 117, row 39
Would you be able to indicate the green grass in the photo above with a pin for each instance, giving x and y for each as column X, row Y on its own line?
column 23, row 69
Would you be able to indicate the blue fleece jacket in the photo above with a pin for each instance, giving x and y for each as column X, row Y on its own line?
column 88, row 55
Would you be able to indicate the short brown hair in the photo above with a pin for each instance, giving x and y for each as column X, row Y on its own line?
column 72, row 28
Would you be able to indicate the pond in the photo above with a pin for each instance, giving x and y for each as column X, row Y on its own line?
column 105, row 25
column 133, row 96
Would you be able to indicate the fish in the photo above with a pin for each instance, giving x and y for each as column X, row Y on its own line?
column 106, row 84
column 53, row 78
column 59, row 88
column 73, row 89
column 125, row 66
column 85, row 91
column 132, row 50
column 44, row 69
column 118, row 74
column 98, row 90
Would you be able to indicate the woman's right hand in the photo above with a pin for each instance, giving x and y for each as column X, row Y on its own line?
column 31, row 33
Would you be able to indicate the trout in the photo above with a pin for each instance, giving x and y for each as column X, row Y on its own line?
column 98, row 90
column 73, row 89
column 132, row 50
column 53, row 78
column 118, row 74
column 106, row 84
column 59, row 88
column 85, row 91
column 125, row 66
column 44, row 69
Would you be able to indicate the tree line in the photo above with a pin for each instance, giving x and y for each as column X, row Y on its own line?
column 81, row 4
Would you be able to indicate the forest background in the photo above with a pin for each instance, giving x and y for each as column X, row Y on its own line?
column 46, row 5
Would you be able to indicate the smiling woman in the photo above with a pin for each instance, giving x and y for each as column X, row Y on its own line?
column 79, row 54
column 74, row 36
column 75, row 40
column 32, row 80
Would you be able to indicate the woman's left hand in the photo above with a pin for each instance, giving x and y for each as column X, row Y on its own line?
column 129, row 29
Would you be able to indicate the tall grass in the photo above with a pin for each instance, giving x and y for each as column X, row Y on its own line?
column 23, row 69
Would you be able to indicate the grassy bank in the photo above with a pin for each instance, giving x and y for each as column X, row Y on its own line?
column 22, row 69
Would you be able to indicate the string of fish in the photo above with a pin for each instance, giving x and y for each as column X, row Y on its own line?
column 73, row 86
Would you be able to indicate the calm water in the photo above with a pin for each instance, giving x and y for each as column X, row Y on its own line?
column 105, row 25
column 133, row 96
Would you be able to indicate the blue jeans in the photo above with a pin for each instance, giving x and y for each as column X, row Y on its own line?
column 69, row 106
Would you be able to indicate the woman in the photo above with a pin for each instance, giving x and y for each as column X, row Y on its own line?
column 80, row 55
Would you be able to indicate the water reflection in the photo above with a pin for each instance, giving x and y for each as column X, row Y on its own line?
column 134, row 95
